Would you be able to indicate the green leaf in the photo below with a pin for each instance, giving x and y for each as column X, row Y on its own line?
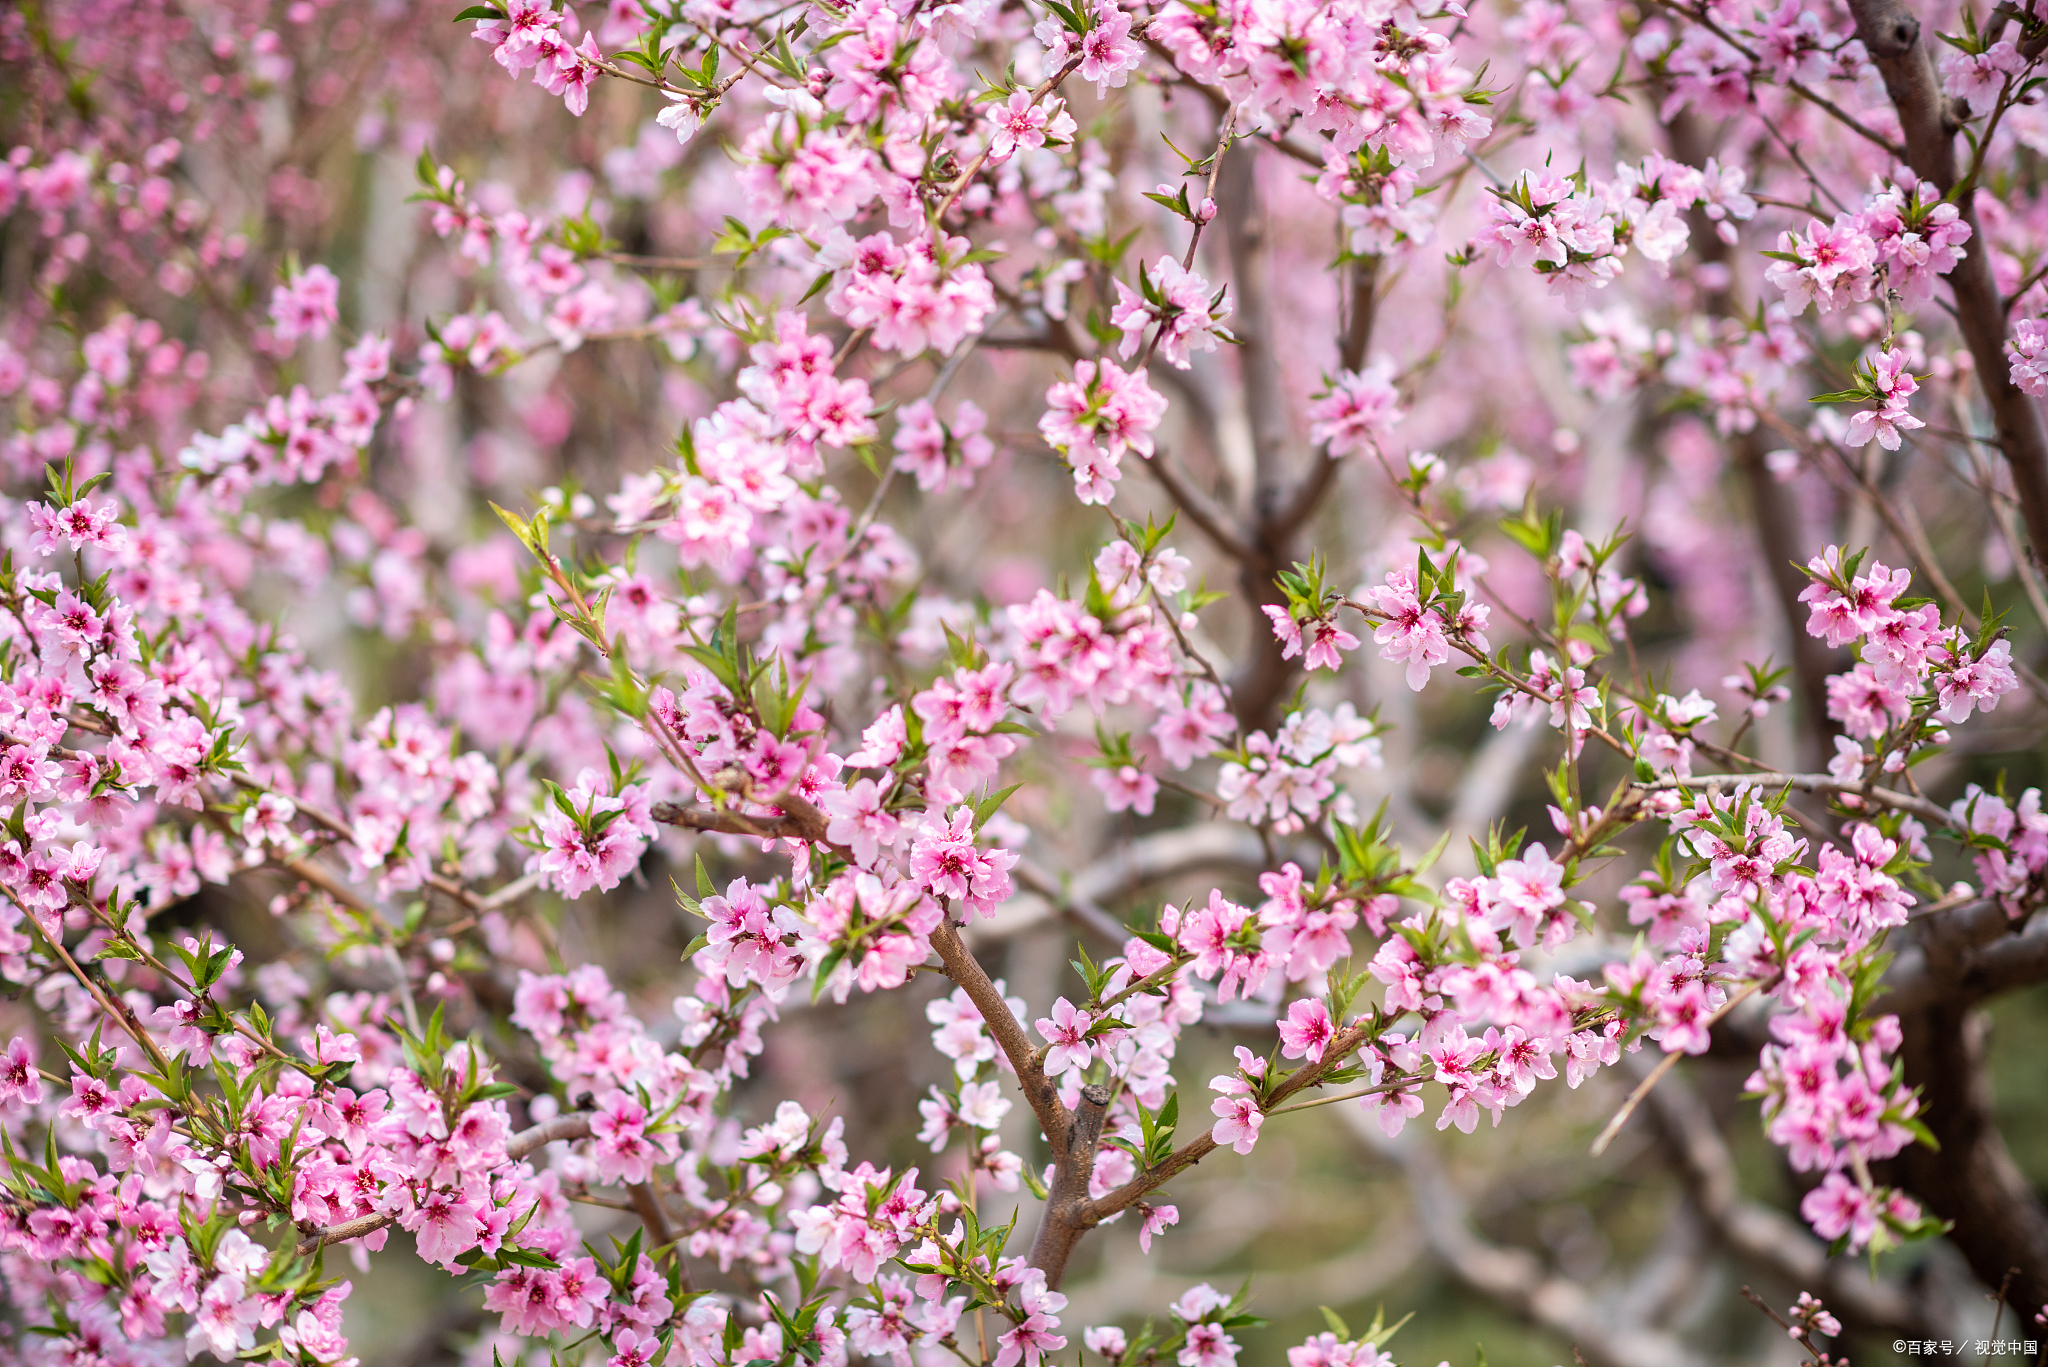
column 480, row 12
column 992, row 804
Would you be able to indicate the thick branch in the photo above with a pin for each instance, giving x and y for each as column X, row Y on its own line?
column 1064, row 1220
column 1778, row 528
column 647, row 1205
column 1315, row 486
column 1240, row 215
column 1779, row 533
column 1516, row 1278
column 1263, row 676
column 1076, row 905
column 1768, row 1237
column 1974, row 974
column 727, row 822
column 801, row 820
column 1212, row 521
column 966, row 972
column 1999, row 1223
column 1904, row 58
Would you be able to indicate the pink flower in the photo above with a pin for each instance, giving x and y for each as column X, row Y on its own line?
column 1207, row 1345
column 1157, row 1220
column 571, row 72
column 1178, row 301
column 1066, row 1030
column 1327, row 646
column 1359, row 411
column 1188, row 730
column 1837, row 1207
column 1412, row 632
column 306, row 305
column 268, row 820
column 860, row 820
column 1033, row 1337
column 1095, row 417
column 1307, row 1031
column 1126, row 788
column 21, row 1084
column 1019, row 122
column 882, row 743
column 618, row 1127
column 1239, row 1126
column 946, row 861
column 1285, row 629
column 1892, row 386
column 1974, row 683
column 1106, row 1339
column 1108, row 51
column 82, row 524
column 2028, row 351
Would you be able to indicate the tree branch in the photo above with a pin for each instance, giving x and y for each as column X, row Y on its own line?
column 1972, row 1180
column 1315, row 486
column 727, row 822
column 1768, row 1237
column 1976, row 973
column 1896, row 43
column 1213, row 522
column 967, row 973
column 1064, row 1220
column 1514, row 1277
column 1264, row 674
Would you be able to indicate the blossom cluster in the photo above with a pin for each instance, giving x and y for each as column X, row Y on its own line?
column 270, row 662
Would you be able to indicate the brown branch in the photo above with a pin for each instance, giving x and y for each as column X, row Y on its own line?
column 1974, row 974
column 1778, row 525
column 1778, row 530
column 647, row 1205
column 1999, row 1222
column 728, row 822
column 1039, row 1090
column 1894, row 38
column 1972, row 1180
column 1066, row 1204
column 800, row 820
column 1768, row 1237
column 1212, row 521
column 1516, row 1278
column 1263, row 676
column 1315, row 486
column 1077, row 906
